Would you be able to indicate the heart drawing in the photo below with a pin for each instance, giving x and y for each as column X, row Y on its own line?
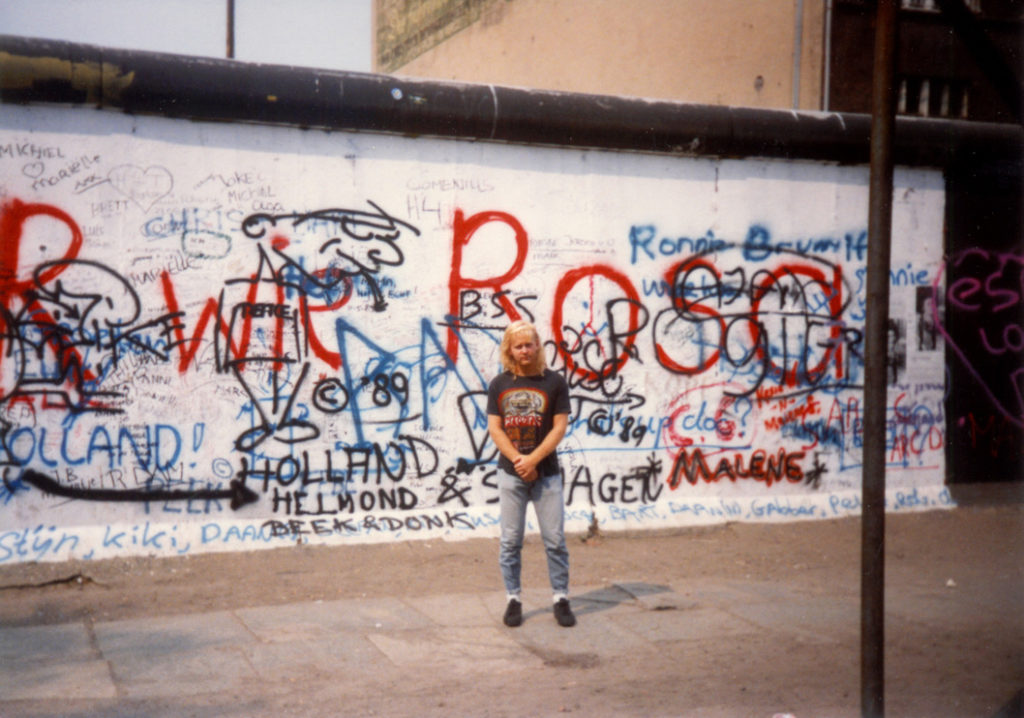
column 33, row 170
column 144, row 187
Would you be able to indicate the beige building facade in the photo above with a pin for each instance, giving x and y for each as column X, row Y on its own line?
column 752, row 53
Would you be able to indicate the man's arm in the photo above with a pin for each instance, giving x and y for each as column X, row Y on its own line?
column 500, row 438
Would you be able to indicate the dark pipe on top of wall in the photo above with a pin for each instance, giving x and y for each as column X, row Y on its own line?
column 46, row 71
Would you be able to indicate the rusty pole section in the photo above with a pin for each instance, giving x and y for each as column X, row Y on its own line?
column 230, row 29
column 875, row 365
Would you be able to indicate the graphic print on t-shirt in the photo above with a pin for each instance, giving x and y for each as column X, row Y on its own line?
column 523, row 412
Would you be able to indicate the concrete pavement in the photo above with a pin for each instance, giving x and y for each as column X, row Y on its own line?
column 250, row 661
column 140, row 666
column 779, row 643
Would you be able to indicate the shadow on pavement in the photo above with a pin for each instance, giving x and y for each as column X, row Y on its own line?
column 606, row 598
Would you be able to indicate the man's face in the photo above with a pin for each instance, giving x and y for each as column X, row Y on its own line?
column 524, row 351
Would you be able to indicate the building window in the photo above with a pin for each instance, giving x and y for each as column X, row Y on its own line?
column 933, row 97
column 933, row 6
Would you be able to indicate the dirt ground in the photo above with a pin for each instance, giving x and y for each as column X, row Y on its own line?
column 971, row 554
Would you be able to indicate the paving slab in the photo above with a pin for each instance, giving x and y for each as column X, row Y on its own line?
column 172, row 655
column 594, row 634
column 823, row 621
column 466, row 649
column 709, row 594
column 170, row 634
column 687, row 625
column 329, row 617
column 939, row 607
column 347, row 656
column 605, row 596
column 631, row 595
column 39, row 662
column 457, row 609
column 755, row 591
column 648, row 595
column 82, row 678
column 318, row 619
column 199, row 671
column 33, row 643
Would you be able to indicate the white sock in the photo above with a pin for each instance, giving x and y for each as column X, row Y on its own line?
column 512, row 597
column 559, row 596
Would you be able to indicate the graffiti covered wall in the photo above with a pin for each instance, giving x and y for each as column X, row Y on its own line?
column 229, row 337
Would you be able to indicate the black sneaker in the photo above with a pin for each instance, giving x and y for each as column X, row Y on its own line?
column 513, row 613
column 563, row 614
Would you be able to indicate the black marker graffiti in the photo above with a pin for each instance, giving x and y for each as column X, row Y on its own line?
column 78, row 320
column 368, row 242
column 238, row 494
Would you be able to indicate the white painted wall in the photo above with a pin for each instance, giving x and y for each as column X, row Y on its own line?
column 144, row 259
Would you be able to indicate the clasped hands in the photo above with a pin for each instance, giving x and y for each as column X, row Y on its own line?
column 525, row 467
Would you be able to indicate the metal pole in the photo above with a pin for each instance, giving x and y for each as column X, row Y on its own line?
column 231, row 29
column 826, row 81
column 798, row 51
column 875, row 367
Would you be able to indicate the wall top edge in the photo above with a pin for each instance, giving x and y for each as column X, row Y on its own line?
column 179, row 86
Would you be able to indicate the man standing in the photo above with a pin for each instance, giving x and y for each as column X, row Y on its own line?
column 527, row 415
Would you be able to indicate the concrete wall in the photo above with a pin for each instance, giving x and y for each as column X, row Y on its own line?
column 230, row 337
column 726, row 52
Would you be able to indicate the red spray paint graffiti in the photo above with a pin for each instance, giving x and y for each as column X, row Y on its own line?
column 463, row 230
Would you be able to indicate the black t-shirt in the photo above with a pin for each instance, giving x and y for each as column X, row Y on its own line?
column 527, row 406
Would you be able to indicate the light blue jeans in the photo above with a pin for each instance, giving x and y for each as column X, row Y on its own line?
column 546, row 495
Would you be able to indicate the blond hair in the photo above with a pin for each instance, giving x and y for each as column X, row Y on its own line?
column 511, row 332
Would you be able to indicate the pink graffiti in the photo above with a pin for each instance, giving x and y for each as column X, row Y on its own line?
column 993, row 291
